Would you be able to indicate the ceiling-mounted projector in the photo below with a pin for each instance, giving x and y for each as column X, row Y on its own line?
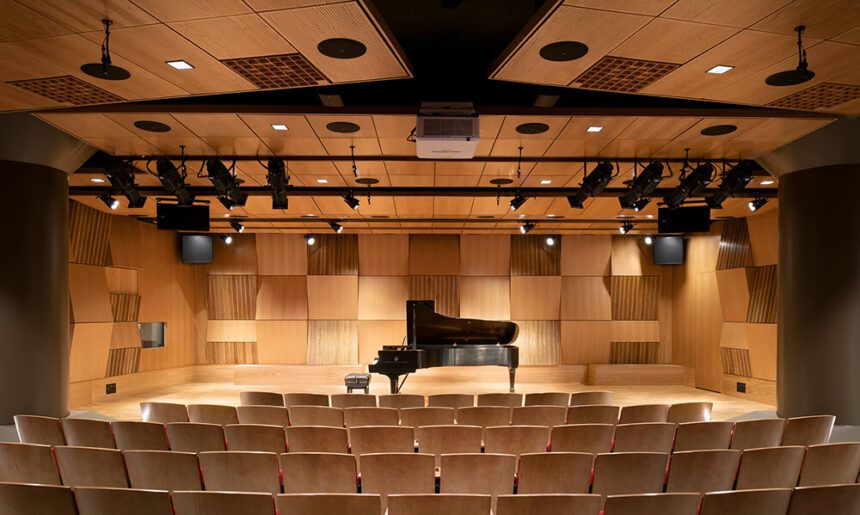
column 446, row 131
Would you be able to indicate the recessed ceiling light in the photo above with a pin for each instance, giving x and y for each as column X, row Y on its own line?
column 226, row 215
column 280, row 127
column 522, row 215
column 179, row 64
column 720, row 69
column 594, row 128
column 546, row 181
column 322, row 181
column 96, row 179
column 650, row 216
column 766, row 182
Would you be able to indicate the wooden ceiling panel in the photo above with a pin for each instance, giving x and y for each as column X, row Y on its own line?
column 823, row 18
column 238, row 146
column 319, row 122
column 362, row 168
column 394, row 126
column 655, row 127
column 19, row 22
column 452, row 206
column 396, row 146
column 578, row 127
column 410, row 168
column 647, row 7
column 510, row 147
column 555, row 123
column 570, row 169
column 87, row 125
column 87, row 15
column 453, row 167
column 413, row 206
column 261, row 124
column 425, row 180
column 12, row 98
column 506, row 169
column 849, row 36
column 672, row 41
column 177, row 10
column 457, row 180
column 234, row 36
column 297, row 146
column 574, row 148
column 122, row 146
column 274, row 5
column 341, row 146
column 215, row 125
column 126, row 121
column 314, row 179
column 734, row 13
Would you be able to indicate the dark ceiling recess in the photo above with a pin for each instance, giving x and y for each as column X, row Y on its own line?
column 342, row 48
column 532, row 128
column 343, row 127
column 718, row 130
column 152, row 126
column 562, row 51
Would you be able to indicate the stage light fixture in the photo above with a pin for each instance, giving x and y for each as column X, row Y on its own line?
column 692, row 183
column 278, row 181
column 109, row 201
column 550, row 240
column 225, row 183
column 642, row 185
column 649, row 240
column 310, row 239
column 625, row 228
column 640, row 204
column 351, row 201
column 756, row 204
column 121, row 177
column 517, row 202
column 526, row 227
column 734, row 181
column 336, row 227
column 238, row 227
column 592, row 184
column 227, row 239
column 174, row 181
column 227, row 203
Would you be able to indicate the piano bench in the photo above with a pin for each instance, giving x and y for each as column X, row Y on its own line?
column 357, row 381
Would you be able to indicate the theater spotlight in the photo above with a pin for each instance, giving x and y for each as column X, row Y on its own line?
column 757, row 204
column 237, row 226
column 625, row 228
column 310, row 239
column 640, row 204
column 227, row 239
column 691, row 183
column 225, row 183
column 592, row 184
column 351, row 201
column 734, row 181
column 526, row 227
column 550, row 240
column 649, row 240
column 517, row 201
column 174, row 181
column 109, row 200
column 278, row 181
column 642, row 185
column 336, row 227
column 227, row 203
column 121, row 177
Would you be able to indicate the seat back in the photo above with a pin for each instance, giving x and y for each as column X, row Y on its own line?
column 653, row 504
column 547, row 504
column 317, row 439
column 703, row 471
column 265, row 415
column 511, row 400
column 831, row 464
column 591, row 398
column 380, row 439
column 448, row 439
column 89, row 466
column 539, row 416
column 555, row 473
column 698, row 436
column 139, row 436
column 814, row 430
column 22, row 499
column 82, row 432
column 756, row 434
column 315, row 504
column 163, row 412
column 547, row 399
column 39, row 430
column 261, row 399
column 590, row 438
column 433, row 504
column 212, row 414
column 397, row 473
column 240, row 471
column 400, row 400
column 772, row 467
column 223, row 503
column 486, row 474
column 597, row 414
column 193, row 437
column 316, row 416
column 306, row 399
column 516, row 440
column 429, row 416
column 27, row 463
column 451, row 400
column 255, row 438
column 629, row 473
column 644, row 413
column 646, row 437
column 484, row 416
column 364, row 416
column 747, row 502
column 111, row 501
column 318, row 472
column 353, row 400
column 690, row 412
column 163, row 470
column 815, row 500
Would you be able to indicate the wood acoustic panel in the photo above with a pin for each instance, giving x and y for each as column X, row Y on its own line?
column 485, row 254
column 762, row 341
column 88, row 234
column 232, row 297
column 635, row 331
column 231, row 353
column 530, row 255
column 736, row 362
column 383, row 254
column 634, row 353
column 763, row 301
column 764, row 236
column 734, row 245
column 88, row 356
column 124, row 307
column 708, row 329
column 373, row 334
column 632, row 257
column 332, row 297
column 282, row 297
column 231, row 331
column 635, row 297
column 734, row 335
column 536, row 298
column 282, row 342
column 585, row 298
column 332, row 342
column 125, row 335
column 382, row 297
column 88, row 294
column 757, row 390
column 443, row 289
column 124, row 247
column 734, row 294
column 539, row 342
column 121, row 280
column 123, row 361
column 586, row 254
column 434, row 254
column 486, row 298
column 281, row 254
column 238, row 258
column 333, row 254
column 585, row 342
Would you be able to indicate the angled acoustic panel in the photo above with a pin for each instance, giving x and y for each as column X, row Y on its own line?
column 232, row 297
column 635, row 297
column 634, row 353
column 90, row 346
column 281, row 254
column 539, row 342
column 124, row 245
column 764, row 235
column 734, row 294
column 332, row 297
column 122, row 280
column 88, row 294
column 124, row 307
column 486, row 298
column 283, row 342
column 333, row 254
column 585, row 298
column 382, row 297
column 231, row 331
column 736, row 362
column 282, row 297
column 443, row 289
column 231, row 353
column 88, row 234
column 763, row 301
column 632, row 257
column 734, row 245
column 485, row 254
column 123, row 361
column 332, row 342
column 434, row 254
column 584, row 342
column 762, row 341
column 239, row 258
column 530, row 255
column 125, row 335
column 586, row 254
column 383, row 254
column 536, row 298
column 373, row 334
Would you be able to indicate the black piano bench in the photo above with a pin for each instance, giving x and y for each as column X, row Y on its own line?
column 357, row 382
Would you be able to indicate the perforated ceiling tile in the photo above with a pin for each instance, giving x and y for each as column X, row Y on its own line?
column 67, row 89
column 824, row 95
column 277, row 71
column 623, row 74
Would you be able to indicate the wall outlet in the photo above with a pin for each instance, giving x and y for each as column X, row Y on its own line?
column 110, row 388
column 742, row 387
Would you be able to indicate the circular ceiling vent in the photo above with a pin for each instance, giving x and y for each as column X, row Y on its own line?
column 341, row 48
column 532, row 128
column 152, row 126
column 343, row 127
column 719, row 130
column 562, row 51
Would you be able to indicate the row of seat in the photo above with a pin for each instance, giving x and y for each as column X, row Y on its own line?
column 28, row 499
column 406, row 400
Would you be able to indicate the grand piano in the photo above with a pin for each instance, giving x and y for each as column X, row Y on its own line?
column 434, row 340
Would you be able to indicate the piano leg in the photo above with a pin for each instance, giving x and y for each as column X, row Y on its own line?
column 394, row 382
column 512, row 373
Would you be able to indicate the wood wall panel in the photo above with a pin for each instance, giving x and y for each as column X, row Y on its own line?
column 443, row 289
column 634, row 353
column 282, row 297
column 88, row 294
column 383, row 254
column 539, row 342
column 757, row 390
column 88, row 234
column 332, row 342
column 382, row 298
column 434, row 254
column 231, row 331
column 124, row 307
column 487, row 298
column 332, row 297
column 125, row 335
column 121, row 280
column 231, row 353
column 734, row 335
column 630, row 256
column 282, row 342
column 281, row 254
column 333, row 254
column 585, row 298
column 232, row 297
column 373, row 334
column 536, row 298
column 734, row 245
column 124, row 243
column 763, row 301
column 734, row 294
column 89, row 350
column 635, row 331
column 238, row 258
column 485, row 254
column 708, row 323
column 762, row 342
column 585, row 342
column 586, row 254
column 635, row 297
column 123, row 361
column 736, row 362
column 764, row 236
column 530, row 256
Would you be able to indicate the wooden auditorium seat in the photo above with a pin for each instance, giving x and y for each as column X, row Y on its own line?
column 139, row 436
column 380, row 439
column 318, row 472
column 255, row 438
column 365, row 416
column 813, row 430
column 223, row 503
column 644, row 413
column 353, row 400
column 554, row 473
column 591, row 438
column 484, row 416
column 163, row 412
column 645, row 437
column 316, row 504
column 487, row 474
column 829, row 500
column 89, row 466
column 306, row 399
column 596, row 398
column 516, row 440
column 830, row 464
column 690, row 412
column 27, row 463
column 547, row 399
column 451, row 400
column 261, row 399
column 400, row 400
column 626, row 473
column 24, row 499
column 317, row 439
column 83, row 432
column 429, row 416
column 316, row 416
column 39, row 430
column 212, row 414
column 770, row 501
column 593, row 414
column 265, row 415
column 194, row 437
column 653, row 504
column 163, row 470
column 509, row 399
column 114, row 501
column 548, row 504
column 697, row 436
column 240, row 471
column 434, row 504
column 397, row 473
column 773, row 467
column 538, row 416
column 448, row 439
column 703, row 471
column 756, row 434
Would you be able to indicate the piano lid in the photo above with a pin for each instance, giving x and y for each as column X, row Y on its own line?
column 426, row 327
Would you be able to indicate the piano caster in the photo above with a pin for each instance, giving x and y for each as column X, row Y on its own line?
column 512, row 373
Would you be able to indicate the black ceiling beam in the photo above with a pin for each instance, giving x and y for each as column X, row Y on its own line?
column 373, row 220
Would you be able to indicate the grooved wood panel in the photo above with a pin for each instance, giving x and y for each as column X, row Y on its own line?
column 635, row 297
column 231, row 353
column 586, row 254
column 332, row 342
column 485, row 254
column 373, row 334
column 333, row 254
column 736, row 362
column 585, row 342
column 124, row 242
column 282, row 342
column 443, row 289
column 530, row 255
column 635, row 331
column 121, row 280
column 282, row 297
column 634, row 353
column 239, row 258
column 630, row 256
column 536, row 298
column 585, row 298
column 383, row 254
column 232, row 297
column 124, row 307
column 734, row 294
column 734, row 245
column 89, row 351
column 539, row 342
column 123, row 361
column 281, row 254
column 231, row 331
column 125, row 335
column 734, row 335
column 708, row 329
column 332, row 297
column 758, row 390
column 763, row 301
column 88, row 234
column 434, row 254
column 487, row 298
column 762, row 342
column 764, row 236
column 88, row 294
column 382, row 298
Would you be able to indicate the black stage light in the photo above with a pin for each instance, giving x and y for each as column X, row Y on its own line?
column 625, row 228
column 225, row 183
column 640, row 204
column 336, row 227
column 692, row 183
column 238, row 227
column 517, row 202
column 526, row 227
column 278, row 181
column 227, row 203
column 642, row 185
column 592, row 184
column 734, row 181
column 351, row 201
column 757, row 204
column 174, row 181
column 109, row 200
column 121, row 177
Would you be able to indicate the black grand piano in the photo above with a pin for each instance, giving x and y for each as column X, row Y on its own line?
column 435, row 340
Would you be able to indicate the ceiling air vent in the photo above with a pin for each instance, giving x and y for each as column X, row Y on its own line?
column 820, row 96
column 277, row 71
column 623, row 74
column 67, row 89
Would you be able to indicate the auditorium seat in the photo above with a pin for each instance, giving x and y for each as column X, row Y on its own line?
column 255, row 438
column 397, row 473
column 306, row 399
column 429, row 416
column 380, row 439
column 830, row 500
column 756, row 434
column 223, row 503
column 240, row 471
column 27, row 463
column 265, row 415
column 23, row 499
column 487, row 474
column 212, row 414
column 591, row 438
column 547, row 399
column 163, row 412
column 771, row 501
column 192, row 437
column 163, row 470
column 690, row 412
column 516, row 440
column 364, row 416
column 353, row 400
column 538, row 416
column 554, row 473
column 83, row 432
column 591, row 398
column 626, row 473
column 653, row 504
column 593, row 414
column 39, row 430
column 773, row 467
column 318, row 472
column 484, row 416
column 114, row 501
column 261, row 399
column 703, row 471
column 695, row 436
column 644, row 413
column 400, row 400
column 548, row 504
column 435, row 504
column 812, row 430
column 139, row 436
column 89, row 466
column 317, row 504
column 316, row 416
column 317, row 439
column 831, row 464
column 451, row 400
column 647, row 437
column 509, row 399
column 448, row 439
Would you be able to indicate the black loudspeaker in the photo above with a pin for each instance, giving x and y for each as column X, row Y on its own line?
column 684, row 219
column 172, row 217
